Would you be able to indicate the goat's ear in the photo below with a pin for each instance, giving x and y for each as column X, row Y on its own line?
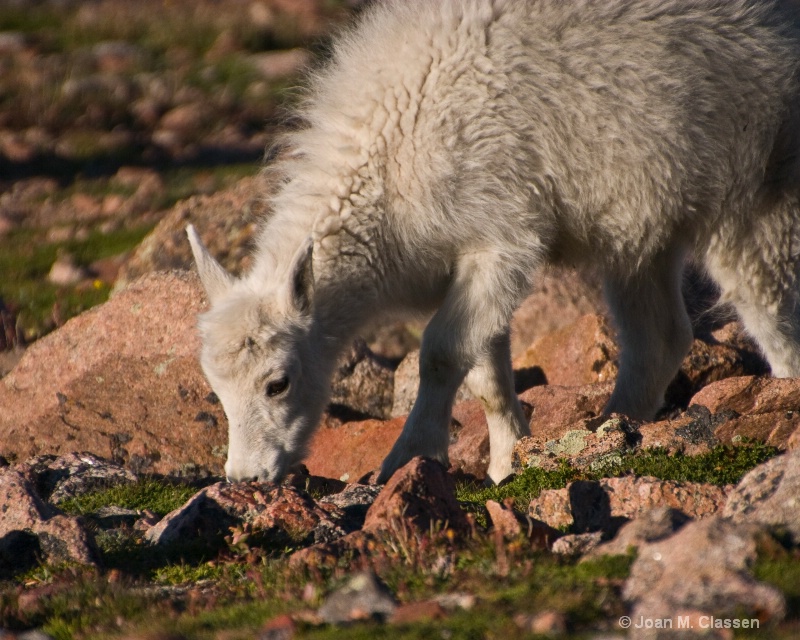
column 216, row 281
column 303, row 277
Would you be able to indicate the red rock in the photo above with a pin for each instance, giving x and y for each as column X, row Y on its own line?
column 556, row 409
column 772, row 428
column 274, row 65
column 513, row 525
column 726, row 354
column 691, row 433
column 418, row 612
column 60, row 538
column 349, row 451
column 227, row 236
column 121, row 381
column 329, row 554
column 279, row 628
column 581, row 353
column 469, row 439
column 607, row 504
column 547, row 623
column 793, row 442
column 420, row 494
column 504, row 519
column 577, row 544
column 185, row 118
column 279, row 514
column 560, row 297
column 751, row 395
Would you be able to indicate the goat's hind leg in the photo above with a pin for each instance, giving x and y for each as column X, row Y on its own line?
column 654, row 332
column 758, row 271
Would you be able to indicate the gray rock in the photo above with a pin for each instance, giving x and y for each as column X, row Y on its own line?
column 769, row 495
column 704, row 567
column 73, row 474
column 363, row 597
column 406, row 385
column 354, row 502
column 577, row 544
column 652, row 525
column 363, row 383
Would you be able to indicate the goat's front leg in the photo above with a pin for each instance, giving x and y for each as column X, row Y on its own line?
column 465, row 331
column 491, row 380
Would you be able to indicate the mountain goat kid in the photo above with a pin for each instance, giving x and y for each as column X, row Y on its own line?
column 452, row 147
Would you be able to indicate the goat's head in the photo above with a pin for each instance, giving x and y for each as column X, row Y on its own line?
column 260, row 355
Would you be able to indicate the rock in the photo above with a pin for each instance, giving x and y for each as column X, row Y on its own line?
column 185, row 119
column 354, row 502
column 363, row 597
column 73, row 474
column 228, row 237
column 769, row 495
column 274, row 514
column 273, row 65
column 511, row 524
column 547, row 623
column 469, row 439
column 65, row 272
column 581, row 353
column 121, row 381
column 691, row 433
column 363, row 383
column 577, row 544
column 112, row 517
column 406, row 386
column 351, row 450
column 726, row 353
column 279, row 628
column 420, row 494
column 775, row 429
column 607, row 504
column 556, row 409
column 414, row 612
column 651, row 525
column 561, row 297
column 592, row 444
column 117, row 56
column 750, row 395
column 330, row 555
column 704, row 567
column 31, row 528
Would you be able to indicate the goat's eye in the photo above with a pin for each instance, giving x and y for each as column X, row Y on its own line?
column 277, row 387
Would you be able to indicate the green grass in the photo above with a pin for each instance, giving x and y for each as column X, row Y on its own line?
column 724, row 464
column 149, row 493
column 25, row 262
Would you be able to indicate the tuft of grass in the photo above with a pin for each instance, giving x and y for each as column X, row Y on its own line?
column 724, row 464
column 149, row 493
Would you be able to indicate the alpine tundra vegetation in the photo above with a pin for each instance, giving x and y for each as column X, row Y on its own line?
column 451, row 149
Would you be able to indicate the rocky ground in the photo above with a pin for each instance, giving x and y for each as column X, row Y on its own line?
column 119, row 126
